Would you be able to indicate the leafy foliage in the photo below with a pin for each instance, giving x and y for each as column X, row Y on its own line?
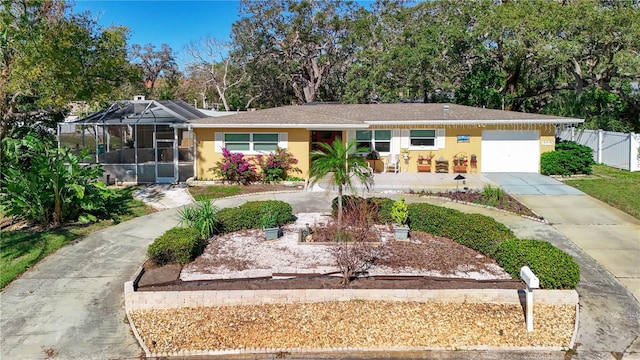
column 342, row 163
column 203, row 217
column 235, row 168
column 475, row 231
column 177, row 245
column 43, row 184
column 277, row 165
column 554, row 268
column 249, row 215
column 400, row 212
column 50, row 56
column 569, row 158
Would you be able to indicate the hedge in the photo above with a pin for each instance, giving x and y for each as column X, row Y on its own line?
column 567, row 159
column 478, row 232
column 249, row 215
column 176, row 245
column 555, row 268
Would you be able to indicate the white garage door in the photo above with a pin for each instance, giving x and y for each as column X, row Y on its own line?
column 510, row 151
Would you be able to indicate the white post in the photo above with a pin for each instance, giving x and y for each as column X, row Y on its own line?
column 532, row 282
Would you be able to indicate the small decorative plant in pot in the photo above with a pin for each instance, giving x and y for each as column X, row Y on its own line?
column 405, row 154
column 269, row 223
column 400, row 215
column 430, row 155
column 373, row 155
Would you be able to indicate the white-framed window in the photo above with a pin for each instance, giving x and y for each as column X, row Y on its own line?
column 250, row 142
column 378, row 140
column 423, row 138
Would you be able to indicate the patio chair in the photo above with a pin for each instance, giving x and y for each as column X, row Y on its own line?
column 392, row 163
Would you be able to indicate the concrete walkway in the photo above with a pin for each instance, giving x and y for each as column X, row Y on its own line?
column 72, row 302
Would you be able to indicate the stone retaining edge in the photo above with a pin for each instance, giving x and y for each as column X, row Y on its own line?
column 135, row 300
column 139, row 300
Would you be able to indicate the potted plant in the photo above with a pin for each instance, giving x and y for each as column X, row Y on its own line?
column 420, row 159
column 405, row 154
column 400, row 214
column 373, row 155
column 269, row 223
column 430, row 155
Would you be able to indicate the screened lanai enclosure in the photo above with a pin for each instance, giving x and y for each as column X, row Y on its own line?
column 136, row 141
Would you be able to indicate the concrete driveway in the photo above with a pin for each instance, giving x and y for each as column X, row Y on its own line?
column 530, row 184
column 599, row 232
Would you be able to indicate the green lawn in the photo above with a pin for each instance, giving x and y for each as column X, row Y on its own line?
column 618, row 188
column 201, row 193
column 20, row 250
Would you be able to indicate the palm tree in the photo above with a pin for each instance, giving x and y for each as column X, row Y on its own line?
column 342, row 163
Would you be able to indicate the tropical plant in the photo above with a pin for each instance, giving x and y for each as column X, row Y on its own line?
column 46, row 185
column 400, row 212
column 342, row 163
column 268, row 217
column 203, row 217
column 235, row 168
column 277, row 165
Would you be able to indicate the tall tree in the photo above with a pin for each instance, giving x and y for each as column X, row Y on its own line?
column 340, row 162
column 50, row 56
column 154, row 63
column 299, row 43
column 214, row 65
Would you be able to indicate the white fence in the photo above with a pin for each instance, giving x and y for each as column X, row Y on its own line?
column 619, row 150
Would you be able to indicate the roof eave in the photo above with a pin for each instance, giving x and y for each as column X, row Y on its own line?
column 272, row 126
column 478, row 122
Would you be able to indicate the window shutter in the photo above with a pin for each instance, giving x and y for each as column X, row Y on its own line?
column 219, row 142
column 395, row 141
column 404, row 139
column 283, row 140
column 440, row 139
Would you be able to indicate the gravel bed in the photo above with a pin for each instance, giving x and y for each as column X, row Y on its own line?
column 357, row 323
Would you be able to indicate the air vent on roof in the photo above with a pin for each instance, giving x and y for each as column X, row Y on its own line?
column 138, row 98
column 445, row 107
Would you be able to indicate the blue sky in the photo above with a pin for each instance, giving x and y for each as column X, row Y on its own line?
column 175, row 23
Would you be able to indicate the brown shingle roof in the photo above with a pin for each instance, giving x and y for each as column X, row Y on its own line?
column 362, row 115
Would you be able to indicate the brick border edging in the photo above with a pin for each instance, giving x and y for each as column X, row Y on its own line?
column 206, row 298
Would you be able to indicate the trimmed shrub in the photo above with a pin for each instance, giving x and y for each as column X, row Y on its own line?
column 475, row 231
column 569, row 158
column 249, row 215
column 176, row 245
column 555, row 268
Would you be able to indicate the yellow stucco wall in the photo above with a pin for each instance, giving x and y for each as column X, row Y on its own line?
column 298, row 145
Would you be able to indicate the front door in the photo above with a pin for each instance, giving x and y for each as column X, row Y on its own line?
column 326, row 137
column 165, row 164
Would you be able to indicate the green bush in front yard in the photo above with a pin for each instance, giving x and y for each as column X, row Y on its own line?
column 249, row 215
column 567, row 159
column 176, row 245
column 555, row 268
column 478, row 232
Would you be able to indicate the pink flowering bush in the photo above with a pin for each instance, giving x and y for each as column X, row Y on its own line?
column 235, row 168
column 277, row 165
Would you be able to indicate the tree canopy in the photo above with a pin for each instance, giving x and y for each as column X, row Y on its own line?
column 50, row 57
